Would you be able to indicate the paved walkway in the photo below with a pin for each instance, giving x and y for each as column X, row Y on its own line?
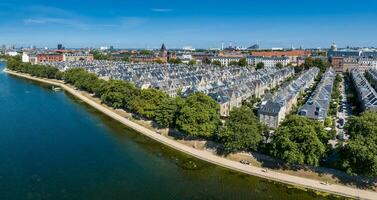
column 210, row 157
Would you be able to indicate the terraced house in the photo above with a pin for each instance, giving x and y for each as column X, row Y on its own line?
column 228, row 86
column 365, row 92
column 233, row 96
column 274, row 108
column 318, row 103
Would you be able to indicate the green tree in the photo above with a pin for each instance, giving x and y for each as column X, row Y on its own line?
column 242, row 62
column 242, row 131
column 206, row 60
column 126, row 59
column 146, row 103
column 359, row 155
column 119, row 93
column 146, row 52
column 296, row 141
column 216, row 62
column 159, row 61
column 279, row 65
column 167, row 111
column 98, row 55
column 72, row 75
column 192, row 62
column 317, row 62
column 86, row 82
column 233, row 63
column 175, row 61
column 99, row 87
column 328, row 122
column 199, row 116
column 44, row 71
column 260, row 65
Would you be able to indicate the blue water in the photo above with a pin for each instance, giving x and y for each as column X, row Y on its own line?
column 53, row 146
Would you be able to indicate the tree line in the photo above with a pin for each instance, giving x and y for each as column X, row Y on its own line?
column 197, row 115
column 298, row 140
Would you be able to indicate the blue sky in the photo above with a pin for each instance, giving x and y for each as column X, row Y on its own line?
column 198, row 23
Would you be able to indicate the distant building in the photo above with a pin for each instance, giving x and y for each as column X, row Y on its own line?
column 77, row 57
column 104, row 48
column 163, row 55
column 225, row 61
column 337, row 63
column 293, row 55
column 60, row 47
column 58, row 56
column 344, row 53
column 50, row 57
column 145, row 59
column 11, row 53
column 188, row 48
column 185, row 58
column 267, row 61
column 346, row 64
column 253, row 47
column 25, row 57
column 369, row 54
column 204, row 57
column 333, row 47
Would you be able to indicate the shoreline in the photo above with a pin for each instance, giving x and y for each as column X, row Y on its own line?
column 208, row 156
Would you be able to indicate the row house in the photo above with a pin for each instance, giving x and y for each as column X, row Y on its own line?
column 229, row 86
column 365, row 92
column 274, row 108
column 371, row 74
column 229, row 98
column 317, row 106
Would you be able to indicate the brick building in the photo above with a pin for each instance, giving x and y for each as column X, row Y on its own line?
column 53, row 57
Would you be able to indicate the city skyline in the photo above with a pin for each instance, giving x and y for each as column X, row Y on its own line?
column 147, row 24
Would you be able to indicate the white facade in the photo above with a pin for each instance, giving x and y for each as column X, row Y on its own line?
column 225, row 60
column 11, row 53
column 267, row 61
column 25, row 57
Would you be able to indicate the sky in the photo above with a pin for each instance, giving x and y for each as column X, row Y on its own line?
column 196, row 23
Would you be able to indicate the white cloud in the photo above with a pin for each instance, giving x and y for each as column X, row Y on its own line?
column 161, row 10
column 49, row 11
column 35, row 21
column 133, row 21
column 56, row 21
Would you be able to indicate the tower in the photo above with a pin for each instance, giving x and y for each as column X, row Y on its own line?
column 333, row 47
column 163, row 51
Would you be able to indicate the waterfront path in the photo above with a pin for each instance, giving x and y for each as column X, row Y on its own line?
column 209, row 156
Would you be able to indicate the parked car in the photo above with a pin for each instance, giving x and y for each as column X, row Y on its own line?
column 340, row 136
column 341, row 121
